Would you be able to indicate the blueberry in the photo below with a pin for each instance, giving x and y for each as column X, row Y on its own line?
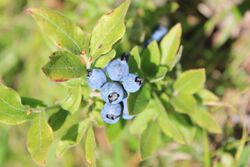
column 96, row 78
column 118, row 68
column 132, row 83
column 125, row 113
column 111, row 113
column 159, row 32
column 112, row 92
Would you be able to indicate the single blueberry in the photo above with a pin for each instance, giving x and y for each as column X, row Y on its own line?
column 125, row 113
column 132, row 83
column 112, row 92
column 96, row 78
column 111, row 113
column 159, row 33
column 118, row 68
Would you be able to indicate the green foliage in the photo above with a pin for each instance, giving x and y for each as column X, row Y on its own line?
column 170, row 106
column 40, row 137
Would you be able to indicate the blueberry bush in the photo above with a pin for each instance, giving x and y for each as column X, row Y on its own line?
column 120, row 91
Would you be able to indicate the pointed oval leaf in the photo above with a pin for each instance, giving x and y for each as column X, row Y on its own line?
column 204, row 119
column 151, row 59
column 169, row 46
column 109, row 29
column 11, row 109
column 134, row 60
column 149, row 140
column 40, row 137
column 103, row 60
column 72, row 102
column 138, row 101
column 190, row 81
column 184, row 103
column 72, row 137
column 90, row 146
column 64, row 66
column 62, row 31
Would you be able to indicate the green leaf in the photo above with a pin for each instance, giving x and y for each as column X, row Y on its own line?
column 177, row 57
column 40, row 137
column 151, row 59
column 72, row 137
column 184, row 103
column 90, row 146
column 160, row 75
column 190, row 81
column 137, row 102
column 204, row 119
column 109, row 29
column 140, row 123
column 64, row 33
column 169, row 46
column 245, row 156
column 32, row 102
column 134, row 60
column 149, row 140
column 165, row 123
column 207, row 96
column 183, row 125
column 103, row 60
column 64, row 66
column 11, row 109
column 72, row 102
column 57, row 119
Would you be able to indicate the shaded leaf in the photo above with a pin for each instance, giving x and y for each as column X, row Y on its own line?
column 72, row 102
column 11, row 109
column 190, row 81
column 72, row 137
column 40, row 137
column 103, row 60
column 63, row 66
column 184, row 103
column 204, row 119
column 64, row 33
column 109, row 29
column 149, row 140
column 90, row 146
column 138, row 101
column 134, row 61
column 169, row 46
column 57, row 119
column 32, row 102
column 151, row 59
column 160, row 75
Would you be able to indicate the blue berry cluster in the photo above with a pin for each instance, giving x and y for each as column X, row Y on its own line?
column 115, row 91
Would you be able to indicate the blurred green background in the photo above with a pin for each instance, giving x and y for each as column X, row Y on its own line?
column 215, row 36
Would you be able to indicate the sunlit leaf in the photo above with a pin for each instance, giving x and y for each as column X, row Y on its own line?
column 103, row 60
column 151, row 59
column 11, row 109
column 40, row 137
column 64, row 66
column 90, row 146
column 160, row 75
column 204, row 119
column 73, row 100
column 169, row 46
column 184, row 103
column 64, row 33
column 149, row 140
column 109, row 29
column 190, row 81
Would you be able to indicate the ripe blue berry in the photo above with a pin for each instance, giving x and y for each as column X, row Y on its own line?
column 132, row 83
column 125, row 113
column 111, row 113
column 159, row 32
column 118, row 68
column 112, row 92
column 96, row 78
